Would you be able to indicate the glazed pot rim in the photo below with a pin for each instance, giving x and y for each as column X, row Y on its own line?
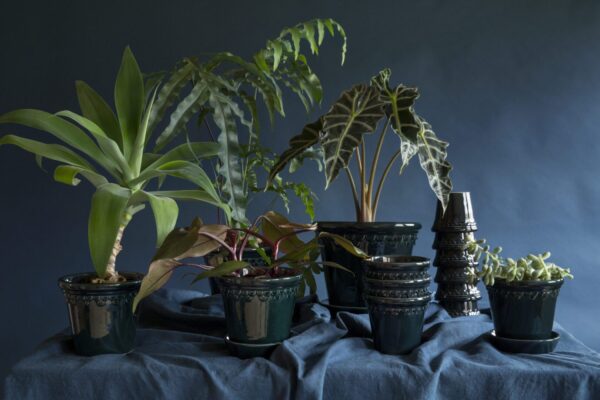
column 391, row 282
column 527, row 284
column 381, row 261
column 367, row 225
column 69, row 282
column 400, row 301
column 272, row 280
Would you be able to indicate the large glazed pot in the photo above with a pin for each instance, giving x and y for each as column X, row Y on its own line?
column 374, row 238
column 258, row 311
column 101, row 315
column 251, row 256
column 524, row 310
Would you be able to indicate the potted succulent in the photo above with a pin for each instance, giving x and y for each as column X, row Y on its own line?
column 225, row 91
column 522, row 295
column 258, row 301
column 341, row 134
column 100, row 303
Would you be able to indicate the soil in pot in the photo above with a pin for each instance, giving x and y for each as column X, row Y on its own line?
column 101, row 315
column 259, row 307
column 524, row 310
column 251, row 256
column 376, row 239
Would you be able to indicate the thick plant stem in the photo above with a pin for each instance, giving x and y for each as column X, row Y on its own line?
column 111, row 272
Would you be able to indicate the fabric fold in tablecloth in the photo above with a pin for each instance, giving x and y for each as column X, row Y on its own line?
column 180, row 354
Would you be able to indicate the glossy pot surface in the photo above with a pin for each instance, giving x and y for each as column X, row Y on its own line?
column 101, row 315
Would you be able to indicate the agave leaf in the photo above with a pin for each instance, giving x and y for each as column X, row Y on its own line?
column 95, row 108
column 129, row 100
column 54, row 152
column 106, row 144
column 298, row 144
column 184, row 111
column 168, row 93
column 61, row 129
column 230, row 167
column 191, row 151
column 355, row 113
column 196, row 195
column 165, row 215
column 67, row 174
column 432, row 155
column 106, row 217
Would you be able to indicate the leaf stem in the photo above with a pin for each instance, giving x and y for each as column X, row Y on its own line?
column 354, row 192
column 376, row 156
column 386, row 171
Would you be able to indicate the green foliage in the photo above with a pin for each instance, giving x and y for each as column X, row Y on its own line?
column 271, row 230
column 530, row 268
column 225, row 90
column 341, row 135
column 116, row 145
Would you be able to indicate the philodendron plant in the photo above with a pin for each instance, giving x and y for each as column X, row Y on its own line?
column 225, row 88
column 109, row 152
column 289, row 252
column 359, row 111
column 533, row 267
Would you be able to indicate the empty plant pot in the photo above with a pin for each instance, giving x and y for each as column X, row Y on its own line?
column 259, row 309
column 396, row 268
column 374, row 238
column 397, row 324
column 101, row 315
column 524, row 310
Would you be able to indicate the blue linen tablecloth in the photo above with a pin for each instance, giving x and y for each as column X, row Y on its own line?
column 180, row 354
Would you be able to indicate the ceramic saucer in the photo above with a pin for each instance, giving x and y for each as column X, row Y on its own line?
column 248, row 350
column 527, row 346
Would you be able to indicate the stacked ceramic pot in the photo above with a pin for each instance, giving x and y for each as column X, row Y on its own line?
column 453, row 231
column 396, row 290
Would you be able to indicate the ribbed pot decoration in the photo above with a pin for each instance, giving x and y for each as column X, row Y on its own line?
column 101, row 315
column 396, row 289
column 453, row 231
column 345, row 291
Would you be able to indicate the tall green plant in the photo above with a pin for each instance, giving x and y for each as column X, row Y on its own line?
column 225, row 91
column 108, row 151
column 359, row 111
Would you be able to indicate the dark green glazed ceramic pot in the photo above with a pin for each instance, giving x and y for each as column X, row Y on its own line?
column 259, row 310
column 397, row 324
column 524, row 310
column 251, row 256
column 101, row 315
column 374, row 238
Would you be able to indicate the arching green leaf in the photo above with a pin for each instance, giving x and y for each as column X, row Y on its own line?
column 355, row 113
column 67, row 174
column 165, row 215
column 95, row 108
column 54, row 152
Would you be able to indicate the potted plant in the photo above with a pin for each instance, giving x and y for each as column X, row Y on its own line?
column 100, row 303
column 258, row 301
column 341, row 134
column 522, row 295
column 225, row 91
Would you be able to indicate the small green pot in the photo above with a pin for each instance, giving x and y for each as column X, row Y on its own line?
column 259, row 310
column 101, row 315
column 251, row 256
column 524, row 310
column 374, row 238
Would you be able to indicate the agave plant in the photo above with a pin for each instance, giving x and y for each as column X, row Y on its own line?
column 359, row 111
column 108, row 151
column 271, row 229
column 533, row 267
column 226, row 88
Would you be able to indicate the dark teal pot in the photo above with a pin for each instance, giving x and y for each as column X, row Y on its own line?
column 524, row 310
column 397, row 324
column 101, row 315
column 259, row 310
column 251, row 256
column 375, row 238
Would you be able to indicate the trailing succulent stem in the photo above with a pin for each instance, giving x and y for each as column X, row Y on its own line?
column 533, row 267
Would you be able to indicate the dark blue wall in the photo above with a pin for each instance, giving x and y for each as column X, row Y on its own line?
column 514, row 86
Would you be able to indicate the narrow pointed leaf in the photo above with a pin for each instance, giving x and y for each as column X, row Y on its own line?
column 223, row 269
column 54, row 152
column 159, row 273
column 67, row 174
column 129, row 100
column 95, row 108
column 165, row 215
column 192, row 151
column 344, row 243
column 275, row 226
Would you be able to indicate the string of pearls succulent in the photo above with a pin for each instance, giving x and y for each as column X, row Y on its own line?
column 530, row 268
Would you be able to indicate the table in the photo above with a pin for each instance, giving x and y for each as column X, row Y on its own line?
column 180, row 354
